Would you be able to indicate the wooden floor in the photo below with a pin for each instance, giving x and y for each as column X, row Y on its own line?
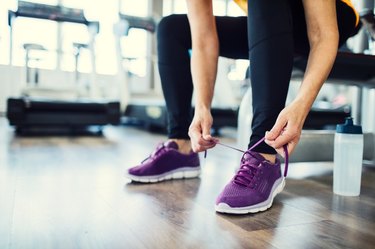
column 66, row 192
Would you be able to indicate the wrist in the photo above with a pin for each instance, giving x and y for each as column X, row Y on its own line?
column 304, row 102
column 202, row 108
column 303, row 105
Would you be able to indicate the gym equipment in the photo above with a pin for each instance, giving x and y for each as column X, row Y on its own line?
column 30, row 47
column 58, row 14
column 121, row 29
column 41, row 114
column 36, row 116
column 149, row 110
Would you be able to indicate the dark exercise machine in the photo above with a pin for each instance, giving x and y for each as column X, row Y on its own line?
column 30, row 115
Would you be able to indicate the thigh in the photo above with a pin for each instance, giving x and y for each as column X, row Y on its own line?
column 174, row 37
column 232, row 33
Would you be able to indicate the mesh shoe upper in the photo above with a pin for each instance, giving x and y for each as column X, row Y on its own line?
column 252, row 183
column 165, row 158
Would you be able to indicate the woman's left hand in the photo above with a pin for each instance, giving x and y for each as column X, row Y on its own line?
column 287, row 129
column 200, row 131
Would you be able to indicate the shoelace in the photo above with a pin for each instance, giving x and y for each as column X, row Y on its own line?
column 161, row 147
column 246, row 174
column 255, row 145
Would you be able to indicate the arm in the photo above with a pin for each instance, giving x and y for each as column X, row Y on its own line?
column 323, row 38
column 204, row 59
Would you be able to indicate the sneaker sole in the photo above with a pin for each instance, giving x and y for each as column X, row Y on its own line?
column 182, row 173
column 263, row 206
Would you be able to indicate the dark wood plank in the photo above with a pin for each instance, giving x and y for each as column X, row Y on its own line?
column 323, row 234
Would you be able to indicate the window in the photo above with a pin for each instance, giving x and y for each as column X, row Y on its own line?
column 135, row 46
column 134, row 8
column 220, row 7
column 58, row 39
column 106, row 12
column 27, row 30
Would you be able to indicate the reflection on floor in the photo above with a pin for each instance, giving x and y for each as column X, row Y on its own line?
column 69, row 192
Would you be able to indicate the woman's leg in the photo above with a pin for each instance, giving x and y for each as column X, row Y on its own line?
column 270, row 36
column 174, row 42
column 283, row 34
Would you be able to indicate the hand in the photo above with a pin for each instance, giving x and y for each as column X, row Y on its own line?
column 287, row 129
column 199, row 131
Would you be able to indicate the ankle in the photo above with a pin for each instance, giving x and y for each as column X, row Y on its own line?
column 184, row 145
column 269, row 157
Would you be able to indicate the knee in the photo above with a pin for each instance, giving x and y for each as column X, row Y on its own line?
column 169, row 25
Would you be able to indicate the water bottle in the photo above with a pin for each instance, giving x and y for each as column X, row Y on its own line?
column 348, row 155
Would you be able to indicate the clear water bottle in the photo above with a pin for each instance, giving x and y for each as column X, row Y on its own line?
column 348, row 156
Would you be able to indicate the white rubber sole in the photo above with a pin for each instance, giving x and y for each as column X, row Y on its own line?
column 263, row 206
column 181, row 173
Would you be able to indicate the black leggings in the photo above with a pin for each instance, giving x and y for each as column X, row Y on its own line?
column 269, row 37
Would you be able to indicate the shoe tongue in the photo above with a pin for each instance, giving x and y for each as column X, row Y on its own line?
column 253, row 157
column 171, row 144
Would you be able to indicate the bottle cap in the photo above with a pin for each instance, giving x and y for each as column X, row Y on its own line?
column 349, row 127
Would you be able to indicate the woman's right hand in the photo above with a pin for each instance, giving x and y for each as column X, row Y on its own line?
column 200, row 131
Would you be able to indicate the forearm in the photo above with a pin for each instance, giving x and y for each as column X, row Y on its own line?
column 205, row 49
column 204, row 68
column 321, row 58
column 323, row 38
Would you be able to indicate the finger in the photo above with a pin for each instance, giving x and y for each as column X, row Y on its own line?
column 194, row 134
column 282, row 139
column 281, row 152
column 206, row 134
column 202, row 145
column 210, row 139
column 206, row 130
column 198, row 144
column 276, row 129
column 203, row 142
column 207, row 142
column 290, row 147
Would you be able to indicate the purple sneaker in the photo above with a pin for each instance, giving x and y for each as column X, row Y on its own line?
column 166, row 163
column 253, row 187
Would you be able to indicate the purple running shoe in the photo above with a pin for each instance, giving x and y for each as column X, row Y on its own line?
column 166, row 163
column 253, row 187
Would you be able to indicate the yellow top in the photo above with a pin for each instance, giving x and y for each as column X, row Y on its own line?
column 349, row 3
column 243, row 5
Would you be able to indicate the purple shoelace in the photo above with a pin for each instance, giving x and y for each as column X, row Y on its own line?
column 255, row 145
column 159, row 149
